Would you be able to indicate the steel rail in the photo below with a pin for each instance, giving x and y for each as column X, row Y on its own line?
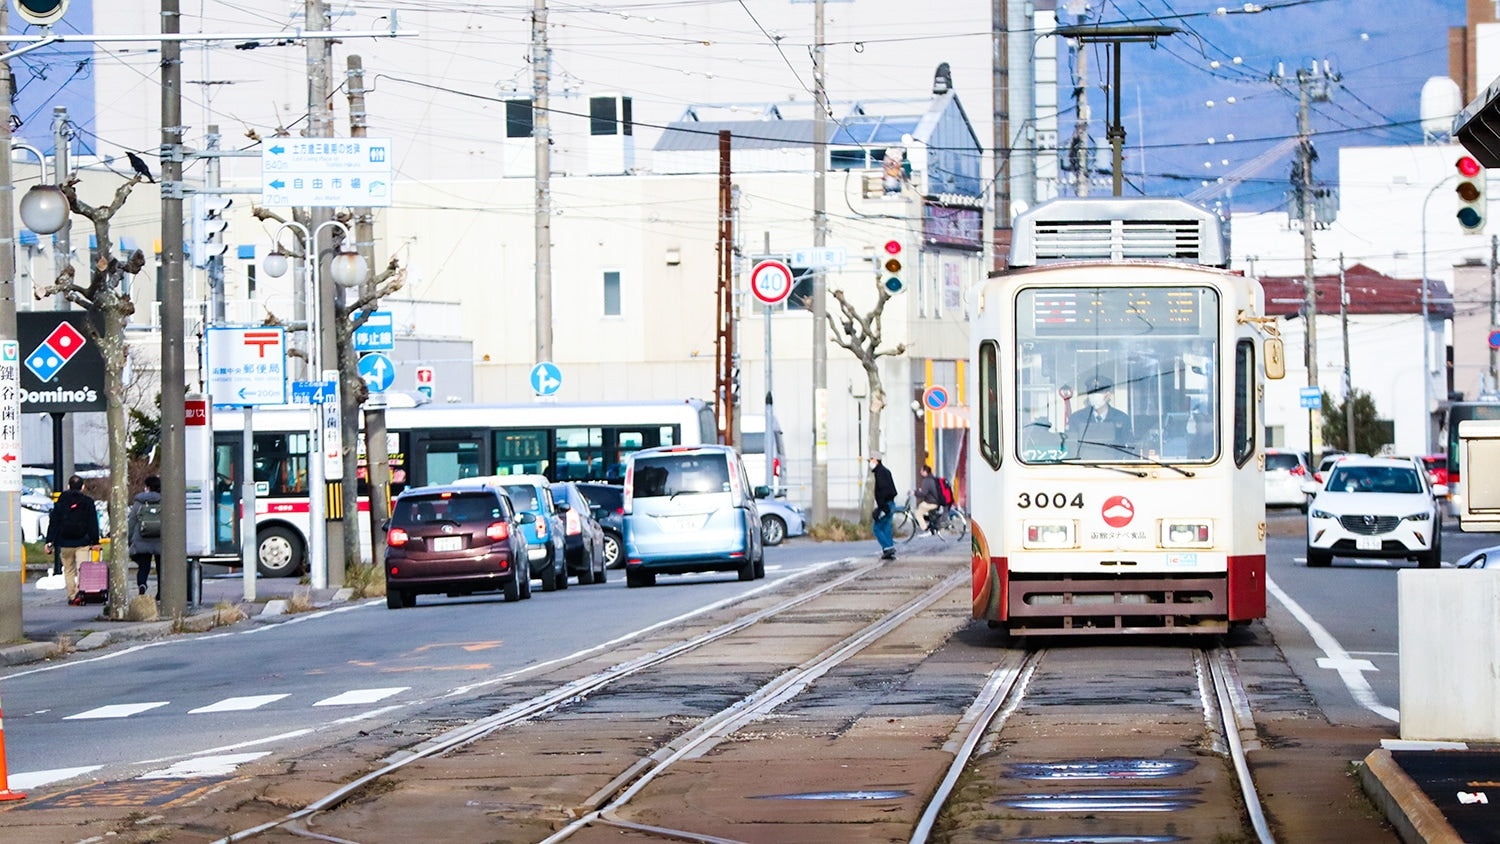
column 530, row 707
column 1221, row 675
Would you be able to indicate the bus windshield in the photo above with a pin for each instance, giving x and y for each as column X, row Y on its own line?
column 1117, row 374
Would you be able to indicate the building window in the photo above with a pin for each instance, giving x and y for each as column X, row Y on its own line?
column 518, row 118
column 612, row 293
column 800, row 299
column 610, row 116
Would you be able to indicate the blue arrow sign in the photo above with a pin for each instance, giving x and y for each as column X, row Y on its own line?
column 546, row 378
column 278, row 184
column 378, row 371
column 278, row 149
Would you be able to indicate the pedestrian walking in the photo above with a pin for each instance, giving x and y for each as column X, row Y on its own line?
column 885, row 499
column 144, row 532
column 74, row 531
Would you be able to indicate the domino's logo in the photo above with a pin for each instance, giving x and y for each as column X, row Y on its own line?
column 48, row 359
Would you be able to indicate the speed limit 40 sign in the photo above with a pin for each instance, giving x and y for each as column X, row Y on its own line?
column 771, row 281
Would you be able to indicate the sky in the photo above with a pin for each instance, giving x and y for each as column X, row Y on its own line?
column 1382, row 52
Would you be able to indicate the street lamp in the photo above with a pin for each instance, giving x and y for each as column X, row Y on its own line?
column 44, row 208
column 1426, row 339
column 346, row 273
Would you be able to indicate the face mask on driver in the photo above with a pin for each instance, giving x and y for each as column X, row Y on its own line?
column 1098, row 400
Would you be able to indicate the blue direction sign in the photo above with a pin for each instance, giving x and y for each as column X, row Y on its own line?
column 1311, row 397
column 376, row 335
column 326, row 172
column 311, row 392
column 546, row 378
column 378, row 371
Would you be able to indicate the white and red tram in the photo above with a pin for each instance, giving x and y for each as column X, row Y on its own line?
column 1116, row 472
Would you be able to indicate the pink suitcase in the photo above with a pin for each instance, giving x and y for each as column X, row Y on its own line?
column 93, row 581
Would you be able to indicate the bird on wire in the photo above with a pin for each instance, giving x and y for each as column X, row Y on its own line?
column 139, row 166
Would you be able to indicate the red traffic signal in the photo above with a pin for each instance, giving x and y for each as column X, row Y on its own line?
column 893, row 247
column 1468, row 166
column 1471, row 199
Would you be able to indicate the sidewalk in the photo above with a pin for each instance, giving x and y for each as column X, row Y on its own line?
column 53, row 627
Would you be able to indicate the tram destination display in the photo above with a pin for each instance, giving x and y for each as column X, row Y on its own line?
column 1091, row 311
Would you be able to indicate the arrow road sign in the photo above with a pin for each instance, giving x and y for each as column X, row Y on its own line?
column 546, row 378
column 378, row 371
column 327, row 172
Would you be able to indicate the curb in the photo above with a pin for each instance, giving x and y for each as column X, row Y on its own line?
column 1403, row 803
column 199, row 622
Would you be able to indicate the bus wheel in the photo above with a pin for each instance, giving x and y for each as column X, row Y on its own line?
column 278, row 553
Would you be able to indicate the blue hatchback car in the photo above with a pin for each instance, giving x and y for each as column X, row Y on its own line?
column 544, row 536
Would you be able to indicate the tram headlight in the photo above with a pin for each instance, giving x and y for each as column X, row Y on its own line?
column 1048, row 534
column 1186, row 534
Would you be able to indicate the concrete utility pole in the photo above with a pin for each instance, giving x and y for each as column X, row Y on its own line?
column 541, row 129
column 215, row 262
column 819, row 306
column 1000, row 23
column 724, row 352
column 1313, row 84
column 320, row 125
column 1080, row 144
column 1348, row 377
column 173, row 571
column 12, row 551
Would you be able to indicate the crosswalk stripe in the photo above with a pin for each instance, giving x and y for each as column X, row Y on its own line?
column 204, row 766
column 237, row 704
column 117, row 710
column 355, row 697
column 26, row 780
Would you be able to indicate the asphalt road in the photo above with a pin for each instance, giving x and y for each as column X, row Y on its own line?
column 253, row 689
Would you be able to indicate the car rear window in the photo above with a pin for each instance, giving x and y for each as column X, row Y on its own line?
column 453, row 507
column 1374, row 479
column 524, row 497
column 1281, row 461
column 679, row 474
column 608, row 497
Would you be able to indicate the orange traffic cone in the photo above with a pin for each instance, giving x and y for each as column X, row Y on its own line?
column 5, row 792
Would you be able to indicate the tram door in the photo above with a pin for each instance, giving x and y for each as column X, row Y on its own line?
column 442, row 458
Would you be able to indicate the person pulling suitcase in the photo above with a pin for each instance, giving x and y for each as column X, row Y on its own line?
column 74, row 531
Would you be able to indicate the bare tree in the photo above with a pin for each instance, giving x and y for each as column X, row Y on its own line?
column 348, row 315
column 109, row 308
column 861, row 335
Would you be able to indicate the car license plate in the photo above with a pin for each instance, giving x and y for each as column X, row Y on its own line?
column 447, row 543
column 1367, row 543
column 680, row 524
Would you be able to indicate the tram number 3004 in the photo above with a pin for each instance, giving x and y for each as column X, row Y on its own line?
column 1040, row 500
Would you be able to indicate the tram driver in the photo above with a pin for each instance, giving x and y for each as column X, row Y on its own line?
column 1100, row 430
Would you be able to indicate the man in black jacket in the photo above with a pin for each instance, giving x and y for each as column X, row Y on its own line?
column 74, row 529
column 885, row 497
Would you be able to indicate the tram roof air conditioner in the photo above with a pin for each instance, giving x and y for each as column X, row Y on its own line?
column 1115, row 229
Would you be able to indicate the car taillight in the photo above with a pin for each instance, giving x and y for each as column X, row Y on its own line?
column 396, row 537
column 498, row 532
column 575, row 524
column 1298, row 471
column 541, row 528
column 776, row 467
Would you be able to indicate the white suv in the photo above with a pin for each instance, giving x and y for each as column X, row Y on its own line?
column 1374, row 507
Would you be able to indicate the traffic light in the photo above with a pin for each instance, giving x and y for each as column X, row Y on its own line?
column 206, row 238
column 41, row 12
column 1471, row 202
column 890, row 268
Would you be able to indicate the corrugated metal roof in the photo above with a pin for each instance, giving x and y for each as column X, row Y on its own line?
column 703, row 135
column 1370, row 292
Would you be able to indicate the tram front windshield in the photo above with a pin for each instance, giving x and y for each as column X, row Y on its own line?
column 1117, row 375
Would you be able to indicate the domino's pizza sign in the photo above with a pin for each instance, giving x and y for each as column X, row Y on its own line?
column 62, row 371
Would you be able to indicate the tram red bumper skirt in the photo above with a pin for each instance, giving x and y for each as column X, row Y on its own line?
column 1247, row 587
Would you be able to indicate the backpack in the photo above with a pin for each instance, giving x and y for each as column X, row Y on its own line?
column 945, row 491
column 150, row 520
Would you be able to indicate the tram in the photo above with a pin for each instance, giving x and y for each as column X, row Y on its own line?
column 1117, row 469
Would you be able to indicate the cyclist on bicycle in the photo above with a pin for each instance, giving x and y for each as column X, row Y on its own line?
column 929, row 499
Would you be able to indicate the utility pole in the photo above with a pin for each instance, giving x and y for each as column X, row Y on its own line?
column 1079, row 152
column 173, row 572
column 377, row 456
column 215, row 262
column 1348, row 378
column 724, row 399
column 62, row 244
column 541, row 128
column 12, row 551
column 1000, row 24
column 820, row 307
column 1313, row 84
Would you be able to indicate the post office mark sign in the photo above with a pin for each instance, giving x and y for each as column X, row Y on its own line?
column 63, row 371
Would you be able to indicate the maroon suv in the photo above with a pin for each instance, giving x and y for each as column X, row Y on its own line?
column 455, row 540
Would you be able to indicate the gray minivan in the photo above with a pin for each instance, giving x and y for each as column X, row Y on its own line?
column 689, row 509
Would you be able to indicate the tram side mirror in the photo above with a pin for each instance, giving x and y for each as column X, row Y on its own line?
column 1275, row 357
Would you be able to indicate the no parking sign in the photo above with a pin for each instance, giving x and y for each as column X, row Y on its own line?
column 935, row 398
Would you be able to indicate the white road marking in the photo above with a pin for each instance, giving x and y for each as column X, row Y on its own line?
column 1353, row 677
column 356, row 697
column 238, row 704
column 1346, row 663
column 36, row 779
column 117, row 710
column 204, row 766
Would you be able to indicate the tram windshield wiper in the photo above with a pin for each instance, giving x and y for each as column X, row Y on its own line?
column 1075, row 461
column 1125, row 449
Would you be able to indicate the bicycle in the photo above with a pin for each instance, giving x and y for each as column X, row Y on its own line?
column 947, row 522
column 903, row 520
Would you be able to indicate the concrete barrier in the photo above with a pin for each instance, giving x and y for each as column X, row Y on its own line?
column 1450, row 654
